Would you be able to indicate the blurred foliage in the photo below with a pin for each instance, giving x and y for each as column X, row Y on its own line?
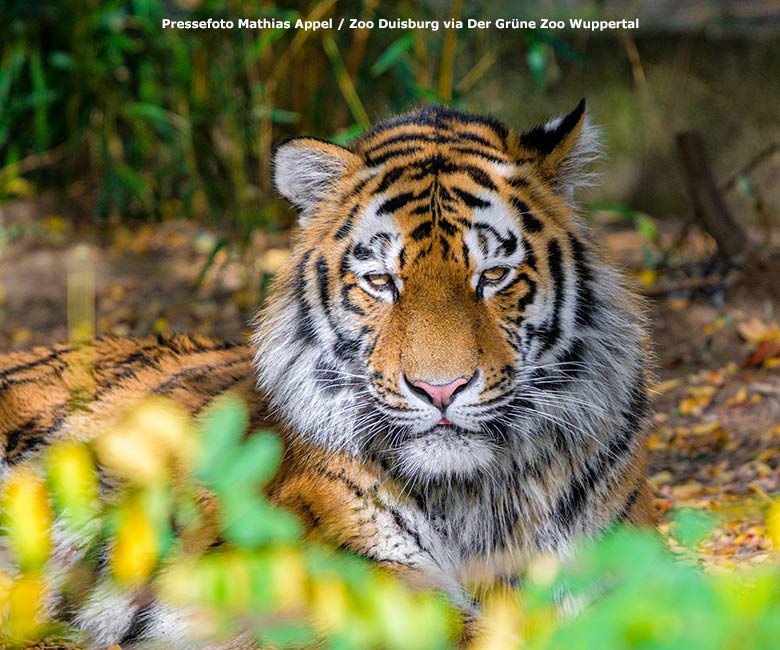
column 623, row 591
column 157, row 526
column 171, row 122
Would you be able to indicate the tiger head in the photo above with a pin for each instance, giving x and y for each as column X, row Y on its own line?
column 442, row 310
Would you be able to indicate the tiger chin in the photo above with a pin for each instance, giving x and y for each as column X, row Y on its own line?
column 459, row 375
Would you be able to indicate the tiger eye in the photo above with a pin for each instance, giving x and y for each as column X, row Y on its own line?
column 494, row 274
column 379, row 280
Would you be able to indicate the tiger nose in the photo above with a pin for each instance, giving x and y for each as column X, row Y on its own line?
column 440, row 395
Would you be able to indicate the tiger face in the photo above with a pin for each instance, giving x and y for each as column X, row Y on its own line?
column 441, row 309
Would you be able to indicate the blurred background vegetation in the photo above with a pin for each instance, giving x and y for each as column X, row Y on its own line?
column 100, row 104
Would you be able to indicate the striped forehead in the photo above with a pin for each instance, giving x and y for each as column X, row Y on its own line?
column 480, row 223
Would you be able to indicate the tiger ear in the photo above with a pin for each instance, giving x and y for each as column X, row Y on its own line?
column 563, row 148
column 307, row 169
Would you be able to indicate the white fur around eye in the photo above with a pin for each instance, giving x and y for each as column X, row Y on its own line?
column 491, row 288
column 388, row 293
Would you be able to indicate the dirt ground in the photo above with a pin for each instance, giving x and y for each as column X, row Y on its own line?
column 715, row 438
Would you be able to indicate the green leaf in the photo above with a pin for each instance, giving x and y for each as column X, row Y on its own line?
column 259, row 459
column 347, row 135
column 345, row 83
column 292, row 634
column 692, row 526
column 745, row 187
column 392, row 55
column 221, row 429
column 536, row 58
column 250, row 522
column 646, row 227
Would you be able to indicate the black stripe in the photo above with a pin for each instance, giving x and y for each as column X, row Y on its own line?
column 625, row 511
column 346, row 227
column 473, row 137
column 528, row 297
column 518, row 182
column 470, row 200
column 574, row 499
column 362, row 252
column 346, row 301
column 346, row 348
column 531, row 223
column 395, row 203
column 53, row 355
column 480, row 177
column 422, row 231
column 448, row 228
column 509, row 244
column 530, row 259
column 586, row 302
column 375, row 161
column 304, row 329
column 389, row 178
column 322, row 283
column 551, row 331
column 139, row 623
column 493, row 156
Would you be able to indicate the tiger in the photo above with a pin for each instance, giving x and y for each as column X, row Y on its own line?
column 459, row 375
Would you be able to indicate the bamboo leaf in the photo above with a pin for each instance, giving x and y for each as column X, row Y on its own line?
column 345, row 83
column 392, row 55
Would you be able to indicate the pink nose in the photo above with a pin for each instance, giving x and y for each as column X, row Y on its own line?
column 441, row 395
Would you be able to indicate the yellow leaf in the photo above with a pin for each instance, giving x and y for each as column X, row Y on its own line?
column 73, row 481
column 773, row 524
column 666, row 386
column 704, row 429
column 739, row 397
column 690, row 406
column 55, row 224
column 19, row 186
column 160, row 325
column 273, row 259
column 135, row 548
column 702, row 391
column 687, row 490
column 132, row 454
column 678, row 304
column 662, row 478
column 330, row 603
column 289, row 580
column 756, row 331
column 503, row 624
column 25, row 615
column 141, row 444
column 648, row 277
column 27, row 517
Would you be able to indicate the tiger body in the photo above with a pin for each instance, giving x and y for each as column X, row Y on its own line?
column 459, row 378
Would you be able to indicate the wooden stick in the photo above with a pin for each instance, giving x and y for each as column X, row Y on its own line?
column 708, row 204
column 657, row 290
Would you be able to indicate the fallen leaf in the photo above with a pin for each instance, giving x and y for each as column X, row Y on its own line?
column 766, row 350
